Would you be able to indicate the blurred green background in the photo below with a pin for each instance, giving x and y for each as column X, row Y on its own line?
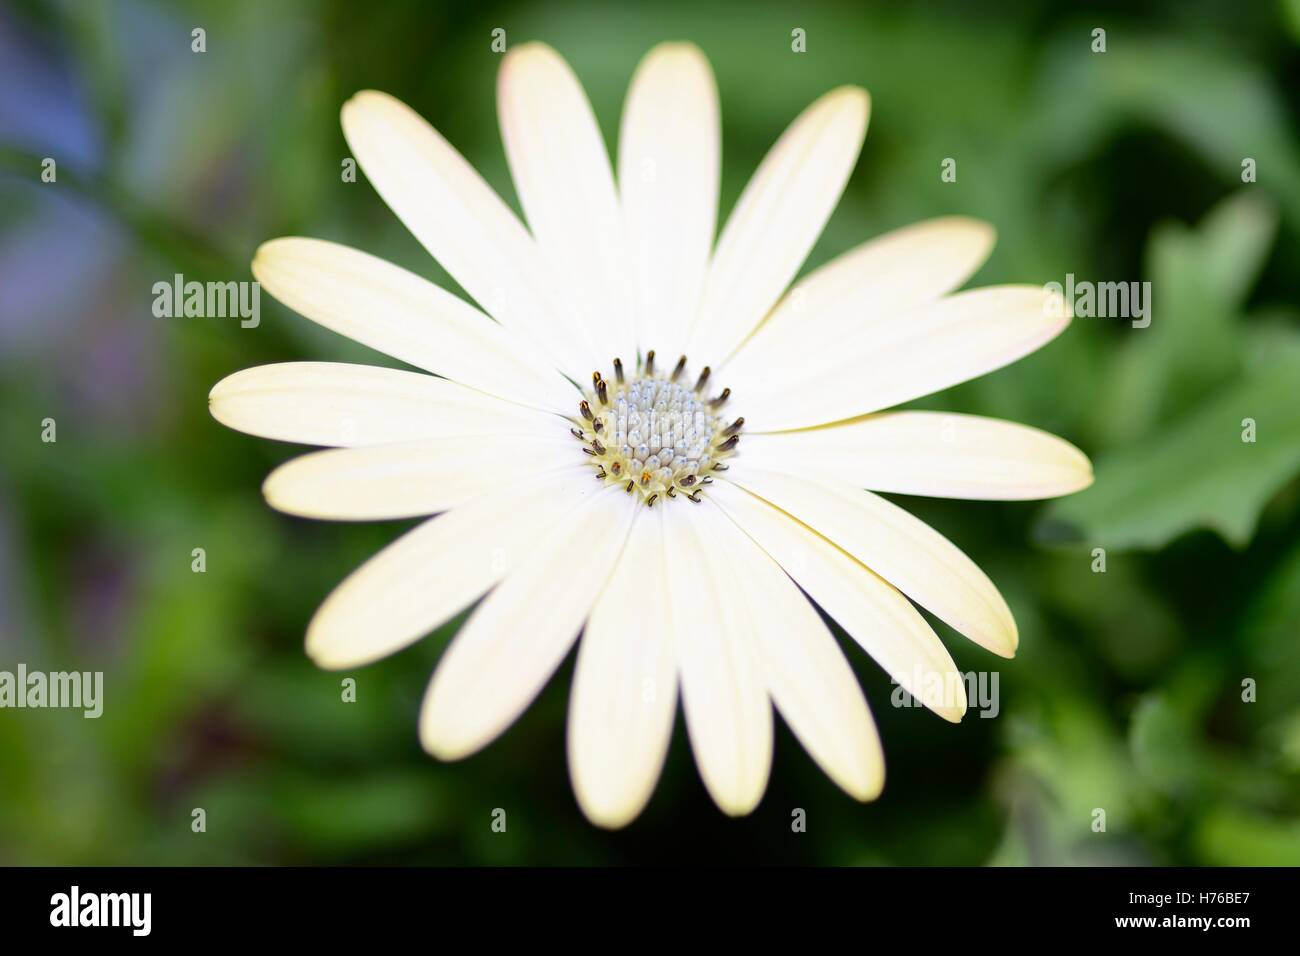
column 1127, row 691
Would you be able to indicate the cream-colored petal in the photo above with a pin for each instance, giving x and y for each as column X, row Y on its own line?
column 438, row 569
column 624, row 692
column 903, row 550
column 562, row 175
column 669, row 162
column 939, row 454
column 463, row 223
column 805, row 671
column 905, row 356
column 515, row 639
column 886, row 275
column 396, row 312
column 724, row 696
column 411, row 479
column 874, row 614
column 776, row 221
column 342, row 405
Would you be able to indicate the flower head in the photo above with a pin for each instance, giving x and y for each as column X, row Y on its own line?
column 647, row 440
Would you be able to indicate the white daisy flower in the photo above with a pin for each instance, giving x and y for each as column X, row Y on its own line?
column 678, row 513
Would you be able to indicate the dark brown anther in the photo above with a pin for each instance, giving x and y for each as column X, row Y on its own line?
column 650, row 362
column 704, row 377
column 720, row 467
column 672, row 493
column 650, row 502
column 695, row 497
column 729, row 444
column 602, row 390
column 731, row 429
column 588, row 451
column 599, row 448
column 616, row 468
column 687, row 481
column 681, row 364
column 600, row 474
column 630, row 486
column 726, row 394
column 598, row 426
column 575, row 433
column 585, row 409
column 706, row 481
column 618, row 370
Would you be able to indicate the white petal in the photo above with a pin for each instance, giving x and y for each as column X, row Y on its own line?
column 625, row 684
column 722, row 682
column 872, row 283
column 517, row 637
column 336, row 404
column 903, row 550
column 908, row 355
column 776, row 221
column 873, row 613
column 411, row 479
column 462, row 222
column 931, row 453
column 396, row 312
column 441, row 567
column 805, row 671
column 565, row 184
column 669, row 162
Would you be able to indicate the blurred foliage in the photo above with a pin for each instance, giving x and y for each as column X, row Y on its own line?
column 1127, row 693
column 1160, row 482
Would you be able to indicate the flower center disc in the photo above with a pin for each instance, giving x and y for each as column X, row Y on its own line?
column 655, row 433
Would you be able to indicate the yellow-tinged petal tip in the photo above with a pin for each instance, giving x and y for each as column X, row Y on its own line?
column 849, row 97
column 324, row 657
column 675, row 47
column 606, row 811
column 531, row 50
column 269, row 488
column 1089, row 475
column 738, row 806
column 442, row 744
column 264, row 253
column 216, row 393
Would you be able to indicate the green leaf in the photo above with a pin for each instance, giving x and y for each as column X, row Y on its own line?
column 1199, row 282
column 1200, row 473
